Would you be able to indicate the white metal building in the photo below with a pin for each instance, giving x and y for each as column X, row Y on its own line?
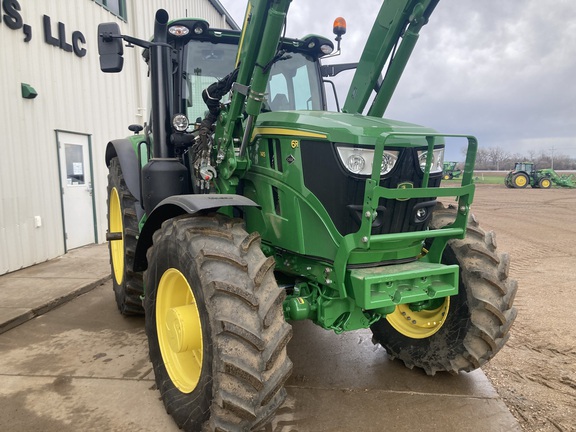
column 58, row 111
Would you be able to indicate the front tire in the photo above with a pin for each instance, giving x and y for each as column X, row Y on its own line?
column 215, row 326
column 545, row 183
column 472, row 326
column 122, row 219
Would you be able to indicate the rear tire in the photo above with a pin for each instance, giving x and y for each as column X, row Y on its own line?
column 213, row 277
column 479, row 317
column 127, row 285
column 520, row 180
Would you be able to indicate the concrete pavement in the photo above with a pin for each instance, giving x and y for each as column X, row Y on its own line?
column 87, row 355
column 33, row 291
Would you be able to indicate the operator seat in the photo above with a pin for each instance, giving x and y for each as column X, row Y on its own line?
column 280, row 102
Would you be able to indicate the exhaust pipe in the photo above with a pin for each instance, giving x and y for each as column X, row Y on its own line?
column 163, row 175
column 159, row 75
column 160, row 26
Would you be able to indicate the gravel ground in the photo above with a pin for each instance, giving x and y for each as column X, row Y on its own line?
column 535, row 373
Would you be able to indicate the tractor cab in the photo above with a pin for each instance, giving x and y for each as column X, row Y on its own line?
column 207, row 55
column 527, row 167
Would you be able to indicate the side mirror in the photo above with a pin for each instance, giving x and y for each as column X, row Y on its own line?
column 110, row 47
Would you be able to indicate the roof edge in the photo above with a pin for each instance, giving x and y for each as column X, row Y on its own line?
column 218, row 6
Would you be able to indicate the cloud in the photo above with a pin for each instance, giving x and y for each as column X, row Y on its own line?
column 503, row 70
column 498, row 69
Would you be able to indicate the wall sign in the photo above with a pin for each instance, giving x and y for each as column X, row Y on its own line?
column 60, row 41
column 11, row 16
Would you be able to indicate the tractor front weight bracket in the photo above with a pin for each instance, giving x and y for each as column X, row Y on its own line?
column 380, row 289
column 311, row 301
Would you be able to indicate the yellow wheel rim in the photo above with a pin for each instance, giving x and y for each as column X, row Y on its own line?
column 545, row 183
column 179, row 330
column 421, row 324
column 446, row 177
column 521, row 181
column 116, row 246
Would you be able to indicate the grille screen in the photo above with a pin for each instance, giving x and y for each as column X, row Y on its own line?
column 342, row 193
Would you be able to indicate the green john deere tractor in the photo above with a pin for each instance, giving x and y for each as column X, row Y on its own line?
column 525, row 173
column 450, row 171
column 230, row 217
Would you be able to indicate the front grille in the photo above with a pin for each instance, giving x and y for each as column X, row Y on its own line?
column 342, row 193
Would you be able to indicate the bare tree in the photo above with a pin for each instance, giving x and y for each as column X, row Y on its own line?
column 482, row 159
column 496, row 155
column 543, row 161
column 495, row 158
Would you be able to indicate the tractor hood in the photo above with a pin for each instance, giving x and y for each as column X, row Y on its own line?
column 335, row 127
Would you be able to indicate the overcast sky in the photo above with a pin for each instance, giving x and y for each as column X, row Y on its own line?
column 502, row 70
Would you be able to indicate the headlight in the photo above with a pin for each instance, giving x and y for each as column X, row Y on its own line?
column 326, row 49
column 180, row 122
column 437, row 160
column 179, row 30
column 200, row 27
column 360, row 160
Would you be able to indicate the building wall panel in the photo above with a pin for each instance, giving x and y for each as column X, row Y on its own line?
column 74, row 96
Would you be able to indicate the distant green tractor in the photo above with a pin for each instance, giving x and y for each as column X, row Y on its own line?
column 524, row 174
column 449, row 171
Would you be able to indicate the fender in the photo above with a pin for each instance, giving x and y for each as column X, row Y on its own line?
column 178, row 205
column 124, row 150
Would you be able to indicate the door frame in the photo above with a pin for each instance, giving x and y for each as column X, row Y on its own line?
column 91, row 165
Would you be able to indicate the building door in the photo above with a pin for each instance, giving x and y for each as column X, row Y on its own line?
column 77, row 194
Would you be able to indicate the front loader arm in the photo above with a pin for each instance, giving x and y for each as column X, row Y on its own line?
column 397, row 19
column 261, row 33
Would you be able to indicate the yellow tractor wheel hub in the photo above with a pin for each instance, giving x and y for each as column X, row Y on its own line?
column 521, row 181
column 179, row 330
column 116, row 226
column 418, row 324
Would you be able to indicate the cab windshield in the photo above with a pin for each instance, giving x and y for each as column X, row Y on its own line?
column 294, row 83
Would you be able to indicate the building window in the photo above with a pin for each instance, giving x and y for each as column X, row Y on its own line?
column 117, row 7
